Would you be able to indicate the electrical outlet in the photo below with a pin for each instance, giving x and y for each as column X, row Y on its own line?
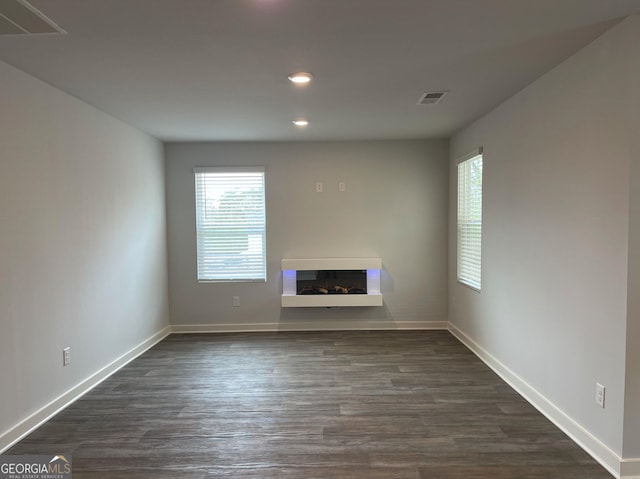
column 236, row 301
column 600, row 390
column 66, row 356
column 342, row 186
column 319, row 187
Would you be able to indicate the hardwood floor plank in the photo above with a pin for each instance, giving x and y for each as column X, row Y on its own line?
column 312, row 405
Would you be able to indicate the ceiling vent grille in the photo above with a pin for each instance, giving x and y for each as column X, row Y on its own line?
column 17, row 17
column 431, row 97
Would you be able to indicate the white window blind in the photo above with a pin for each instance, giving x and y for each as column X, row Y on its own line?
column 470, row 220
column 230, row 224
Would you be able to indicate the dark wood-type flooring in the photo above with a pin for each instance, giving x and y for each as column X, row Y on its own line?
column 313, row 405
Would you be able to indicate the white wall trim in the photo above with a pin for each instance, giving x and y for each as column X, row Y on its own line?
column 343, row 325
column 587, row 441
column 630, row 468
column 35, row 420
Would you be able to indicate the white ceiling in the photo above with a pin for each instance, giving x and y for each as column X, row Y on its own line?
column 185, row 70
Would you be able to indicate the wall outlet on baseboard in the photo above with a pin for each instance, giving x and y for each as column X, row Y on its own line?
column 600, row 390
column 236, row 301
column 66, row 356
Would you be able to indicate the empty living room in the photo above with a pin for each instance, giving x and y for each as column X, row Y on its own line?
column 320, row 239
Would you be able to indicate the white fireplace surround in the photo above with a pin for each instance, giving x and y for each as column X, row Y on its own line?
column 290, row 267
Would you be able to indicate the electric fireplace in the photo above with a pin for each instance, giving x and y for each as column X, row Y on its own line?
column 331, row 282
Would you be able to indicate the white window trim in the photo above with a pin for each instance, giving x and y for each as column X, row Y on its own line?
column 201, row 275
column 473, row 281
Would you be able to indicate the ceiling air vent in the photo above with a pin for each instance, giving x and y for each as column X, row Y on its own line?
column 431, row 97
column 17, row 17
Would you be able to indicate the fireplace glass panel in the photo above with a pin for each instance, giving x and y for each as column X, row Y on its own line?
column 331, row 281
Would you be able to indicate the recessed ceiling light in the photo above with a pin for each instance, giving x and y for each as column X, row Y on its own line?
column 300, row 78
column 300, row 122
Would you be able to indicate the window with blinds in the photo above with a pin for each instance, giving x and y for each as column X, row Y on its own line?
column 230, row 224
column 470, row 220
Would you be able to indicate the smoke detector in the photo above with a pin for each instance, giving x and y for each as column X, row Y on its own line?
column 17, row 17
column 431, row 97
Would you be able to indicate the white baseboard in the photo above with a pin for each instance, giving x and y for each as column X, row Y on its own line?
column 630, row 468
column 587, row 441
column 26, row 426
column 308, row 326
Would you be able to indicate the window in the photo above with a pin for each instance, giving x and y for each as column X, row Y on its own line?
column 470, row 219
column 230, row 224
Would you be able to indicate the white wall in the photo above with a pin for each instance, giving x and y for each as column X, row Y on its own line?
column 82, row 242
column 632, row 391
column 394, row 207
column 553, row 306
